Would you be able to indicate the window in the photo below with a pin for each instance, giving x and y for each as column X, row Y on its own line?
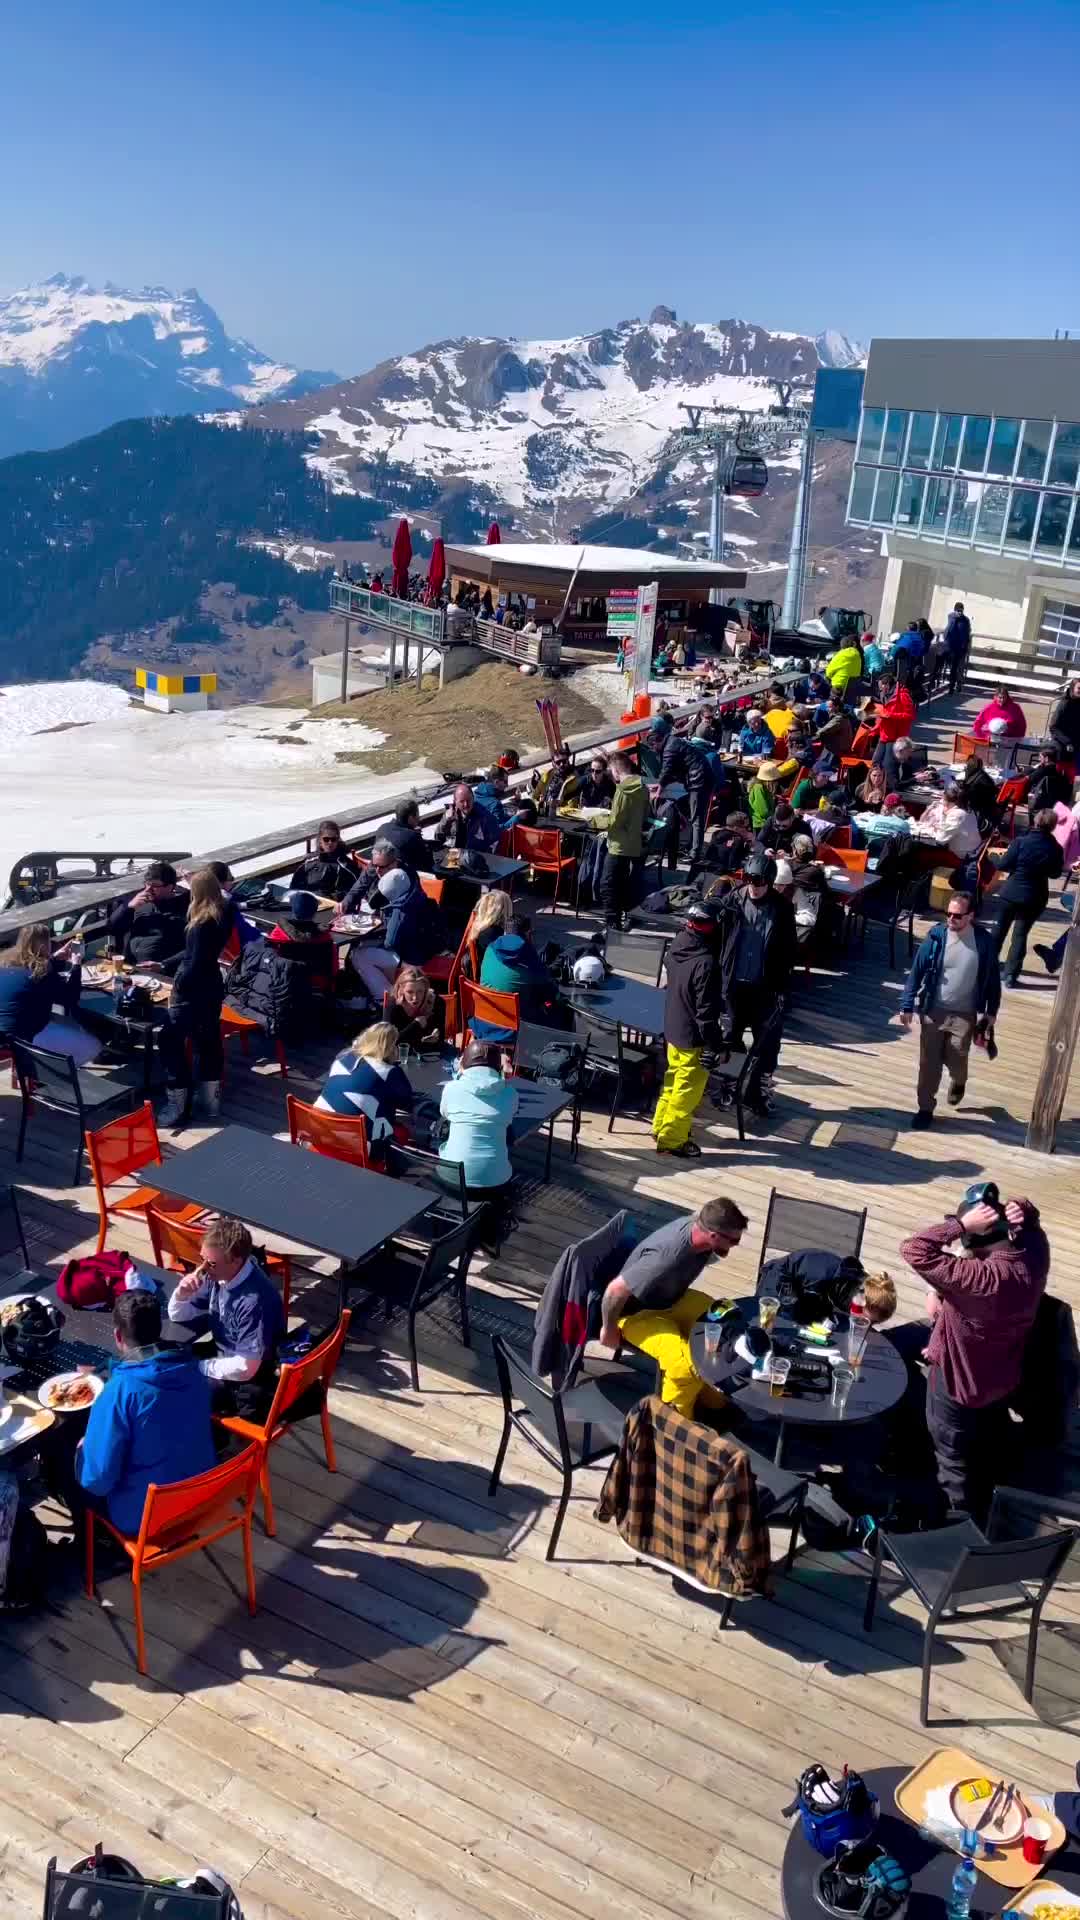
column 937, row 506
column 885, row 497
column 1072, row 551
column 1053, row 523
column 976, row 441
column 995, row 505
column 873, row 426
column 895, row 430
column 1033, row 449
column 1065, row 459
column 1021, row 522
column 1003, row 445
column 909, row 504
column 950, row 439
column 862, row 494
column 1059, row 633
column 966, row 497
column 921, row 439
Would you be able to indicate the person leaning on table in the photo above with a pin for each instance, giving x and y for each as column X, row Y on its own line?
column 654, row 1303
column 953, row 985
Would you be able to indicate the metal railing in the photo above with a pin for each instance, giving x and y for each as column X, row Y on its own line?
column 404, row 616
column 267, row 854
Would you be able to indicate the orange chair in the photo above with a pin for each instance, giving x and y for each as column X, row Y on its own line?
column 866, row 739
column 181, row 1518
column 295, row 1378
column 853, row 858
column 490, row 1004
column 542, row 848
column 433, row 887
column 452, row 1013
column 1011, row 794
column 851, row 763
column 965, row 744
column 242, row 1023
column 122, row 1147
column 178, row 1243
column 337, row 1136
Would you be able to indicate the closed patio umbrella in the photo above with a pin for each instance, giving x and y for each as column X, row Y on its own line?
column 494, row 537
column 436, row 573
column 401, row 556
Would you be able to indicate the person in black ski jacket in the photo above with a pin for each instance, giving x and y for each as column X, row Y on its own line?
column 693, row 1006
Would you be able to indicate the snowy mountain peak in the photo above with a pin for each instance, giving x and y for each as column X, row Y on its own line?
column 75, row 358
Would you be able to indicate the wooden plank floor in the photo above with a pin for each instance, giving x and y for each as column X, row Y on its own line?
column 427, row 1719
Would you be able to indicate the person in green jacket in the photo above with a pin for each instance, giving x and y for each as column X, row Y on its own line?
column 761, row 793
column 625, row 840
column 845, row 665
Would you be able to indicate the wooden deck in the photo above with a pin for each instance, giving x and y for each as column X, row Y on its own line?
column 425, row 1719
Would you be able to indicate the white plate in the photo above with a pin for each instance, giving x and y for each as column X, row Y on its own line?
column 93, row 1380
column 1030, row 1902
column 13, row 1300
column 5, row 1413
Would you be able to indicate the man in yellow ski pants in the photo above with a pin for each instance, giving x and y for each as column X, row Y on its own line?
column 654, row 1303
column 692, row 1009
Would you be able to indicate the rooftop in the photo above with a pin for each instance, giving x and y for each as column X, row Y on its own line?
column 629, row 563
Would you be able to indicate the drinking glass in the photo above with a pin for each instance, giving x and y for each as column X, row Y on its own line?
column 712, row 1339
column 778, row 1378
column 842, row 1382
column 768, row 1308
column 855, row 1343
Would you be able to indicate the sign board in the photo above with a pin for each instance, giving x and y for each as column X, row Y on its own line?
column 647, row 598
column 622, row 608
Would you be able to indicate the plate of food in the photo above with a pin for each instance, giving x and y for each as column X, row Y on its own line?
column 970, row 1801
column 70, row 1392
column 9, row 1309
column 1047, row 1901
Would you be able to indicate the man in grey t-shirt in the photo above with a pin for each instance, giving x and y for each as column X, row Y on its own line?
column 654, row 1304
column 955, row 985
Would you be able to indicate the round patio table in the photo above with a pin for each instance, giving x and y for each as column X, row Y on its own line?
column 879, row 1383
column 930, row 1866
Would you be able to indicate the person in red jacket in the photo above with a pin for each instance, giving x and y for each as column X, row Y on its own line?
column 1001, row 707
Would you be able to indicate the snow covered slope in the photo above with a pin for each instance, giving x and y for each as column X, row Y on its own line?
column 574, row 426
column 75, row 358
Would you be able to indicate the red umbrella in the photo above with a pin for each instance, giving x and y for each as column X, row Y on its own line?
column 401, row 555
column 436, row 572
column 494, row 538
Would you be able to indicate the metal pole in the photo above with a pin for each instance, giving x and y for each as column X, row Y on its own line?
column 800, row 539
column 344, row 661
column 716, row 521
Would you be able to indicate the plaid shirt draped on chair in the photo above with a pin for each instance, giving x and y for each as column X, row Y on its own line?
column 681, row 1493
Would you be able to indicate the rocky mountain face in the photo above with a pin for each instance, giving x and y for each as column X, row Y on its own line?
column 74, row 359
column 575, row 436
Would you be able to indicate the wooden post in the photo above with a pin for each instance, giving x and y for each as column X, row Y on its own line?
column 1053, row 1082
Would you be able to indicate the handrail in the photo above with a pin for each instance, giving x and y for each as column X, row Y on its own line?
column 80, row 899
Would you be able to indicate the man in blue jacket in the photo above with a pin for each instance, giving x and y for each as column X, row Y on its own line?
column 955, row 987
column 151, row 1423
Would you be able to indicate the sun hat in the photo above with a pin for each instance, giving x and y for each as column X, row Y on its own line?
column 769, row 771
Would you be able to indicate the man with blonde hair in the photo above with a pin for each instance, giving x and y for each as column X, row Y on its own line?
column 230, row 1297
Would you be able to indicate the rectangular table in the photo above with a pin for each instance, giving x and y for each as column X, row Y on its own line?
column 338, row 1209
column 501, row 870
column 622, row 1001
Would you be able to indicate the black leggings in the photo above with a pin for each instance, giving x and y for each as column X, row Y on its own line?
column 199, row 1023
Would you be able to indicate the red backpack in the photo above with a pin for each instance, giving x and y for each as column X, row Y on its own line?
column 93, row 1281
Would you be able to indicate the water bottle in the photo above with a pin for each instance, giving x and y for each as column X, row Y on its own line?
column 962, row 1890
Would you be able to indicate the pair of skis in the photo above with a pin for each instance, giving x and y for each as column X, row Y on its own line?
column 549, row 715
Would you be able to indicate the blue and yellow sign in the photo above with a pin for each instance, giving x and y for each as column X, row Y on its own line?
column 152, row 682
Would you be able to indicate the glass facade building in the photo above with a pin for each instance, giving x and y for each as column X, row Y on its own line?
column 978, row 481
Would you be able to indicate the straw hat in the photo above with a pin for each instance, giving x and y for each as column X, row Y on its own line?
column 769, row 771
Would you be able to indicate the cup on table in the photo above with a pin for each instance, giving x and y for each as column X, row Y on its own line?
column 712, row 1337
column 768, row 1307
column 843, row 1380
column 779, row 1370
column 1036, row 1840
column 404, row 1053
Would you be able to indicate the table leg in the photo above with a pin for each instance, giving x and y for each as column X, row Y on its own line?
column 550, row 1143
column 778, row 1451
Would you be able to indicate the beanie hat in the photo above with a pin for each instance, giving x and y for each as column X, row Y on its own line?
column 394, row 885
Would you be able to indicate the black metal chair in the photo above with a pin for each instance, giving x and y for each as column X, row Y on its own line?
column 13, row 1241
column 731, row 1082
column 781, row 1496
column 792, row 1223
column 608, row 1054
column 626, row 952
column 542, row 1415
column 410, row 1278
column 959, row 1566
column 53, row 1080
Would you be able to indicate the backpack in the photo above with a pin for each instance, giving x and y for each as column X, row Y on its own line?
column 94, row 1281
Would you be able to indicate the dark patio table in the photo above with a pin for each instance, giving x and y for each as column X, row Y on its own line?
column 879, row 1383
column 500, row 869
column 622, row 1001
column 538, row 1106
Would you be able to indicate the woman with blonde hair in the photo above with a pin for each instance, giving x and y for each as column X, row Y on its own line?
column 492, row 916
column 31, row 984
column 194, row 1016
column 413, row 1008
column 367, row 1079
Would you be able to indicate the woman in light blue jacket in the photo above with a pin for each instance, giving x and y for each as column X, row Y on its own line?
column 479, row 1105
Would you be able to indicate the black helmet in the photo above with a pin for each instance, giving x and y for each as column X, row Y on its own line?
column 760, row 867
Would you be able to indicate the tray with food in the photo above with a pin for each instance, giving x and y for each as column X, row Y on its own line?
column 70, row 1392
column 1045, row 1900
column 948, row 1793
column 21, row 1419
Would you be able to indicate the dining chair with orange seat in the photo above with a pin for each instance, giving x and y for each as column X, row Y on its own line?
column 433, row 886
column 966, row 744
column 233, row 1022
column 490, row 1004
column 178, row 1243
column 1011, row 794
column 335, row 1135
column 452, row 1011
column 542, row 848
column 853, row 859
column 296, row 1378
column 866, row 739
column 122, row 1147
column 186, row 1516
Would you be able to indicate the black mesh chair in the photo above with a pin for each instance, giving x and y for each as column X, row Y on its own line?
column 792, row 1223
column 636, row 953
column 53, row 1080
column 410, row 1278
column 732, row 1081
column 13, row 1243
column 543, row 1416
column 609, row 1054
column 959, row 1567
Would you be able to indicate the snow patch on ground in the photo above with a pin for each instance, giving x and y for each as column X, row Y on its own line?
column 120, row 777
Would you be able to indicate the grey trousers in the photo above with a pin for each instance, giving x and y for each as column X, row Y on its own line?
column 944, row 1043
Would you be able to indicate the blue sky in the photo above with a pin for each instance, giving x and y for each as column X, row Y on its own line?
column 345, row 181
